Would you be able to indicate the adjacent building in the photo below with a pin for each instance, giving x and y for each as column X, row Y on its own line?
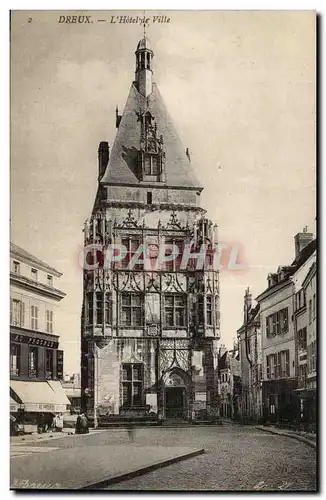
column 279, row 336
column 304, row 280
column 250, row 353
column 229, row 383
column 36, row 363
column 149, row 333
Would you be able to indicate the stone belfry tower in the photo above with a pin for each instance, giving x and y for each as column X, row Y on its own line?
column 149, row 331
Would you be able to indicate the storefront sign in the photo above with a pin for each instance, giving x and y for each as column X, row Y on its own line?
column 33, row 341
column 45, row 407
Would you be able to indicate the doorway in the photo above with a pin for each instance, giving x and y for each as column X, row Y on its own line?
column 174, row 402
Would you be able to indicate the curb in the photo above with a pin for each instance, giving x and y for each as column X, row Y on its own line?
column 139, row 472
column 302, row 439
column 50, row 437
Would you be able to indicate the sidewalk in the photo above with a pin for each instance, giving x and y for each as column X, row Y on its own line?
column 47, row 436
column 92, row 467
column 304, row 437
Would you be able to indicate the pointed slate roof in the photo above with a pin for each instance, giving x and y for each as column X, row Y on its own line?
column 122, row 164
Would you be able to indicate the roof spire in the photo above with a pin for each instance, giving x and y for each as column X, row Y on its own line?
column 144, row 56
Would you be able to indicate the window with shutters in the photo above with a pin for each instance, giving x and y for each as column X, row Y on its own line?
column 284, row 364
column 175, row 310
column 17, row 313
column 49, row 321
column 277, row 323
column 131, row 309
column 271, row 364
column 284, row 320
column 14, row 359
column 33, row 362
column 34, row 317
column 132, row 384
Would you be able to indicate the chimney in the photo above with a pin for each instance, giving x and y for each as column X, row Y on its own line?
column 301, row 240
column 247, row 304
column 103, row 158
column 117, row 117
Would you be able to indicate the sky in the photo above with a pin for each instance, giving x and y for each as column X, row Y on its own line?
column 240, row 88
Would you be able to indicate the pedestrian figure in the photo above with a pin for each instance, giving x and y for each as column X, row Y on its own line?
column 59, row 423
column 79, row 425
column 86, row 429
column 131, row 432
column 84, row 424
column 40, row 423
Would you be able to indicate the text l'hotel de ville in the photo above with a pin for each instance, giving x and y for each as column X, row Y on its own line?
column 115, row 19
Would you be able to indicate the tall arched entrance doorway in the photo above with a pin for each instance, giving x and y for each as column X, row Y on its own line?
column 176, row 394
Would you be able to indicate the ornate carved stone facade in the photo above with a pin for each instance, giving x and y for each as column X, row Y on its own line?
column 149, row 331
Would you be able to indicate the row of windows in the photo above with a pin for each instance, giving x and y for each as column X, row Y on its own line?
column 34, row 273
column 17, row 316
column 132, row 309
column 132, row 246
column 15, row 361
column 278, row 365
column 277, row 323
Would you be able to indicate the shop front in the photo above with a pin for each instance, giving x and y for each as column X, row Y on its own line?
column 38, row 403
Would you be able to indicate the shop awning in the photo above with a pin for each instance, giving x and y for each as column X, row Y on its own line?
column 14, row 406
column 60, row 396
column 38, row 396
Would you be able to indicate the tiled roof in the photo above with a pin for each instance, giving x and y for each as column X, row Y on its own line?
column 304, row 255
column 222, row 363
column 122, row 164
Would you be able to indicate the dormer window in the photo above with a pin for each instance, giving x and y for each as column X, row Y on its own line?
column 151, row 164
column 16, row 267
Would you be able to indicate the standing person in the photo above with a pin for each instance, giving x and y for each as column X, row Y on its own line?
column 40, row 423
column 59, row 423
column 78, row 429
column 86, row 425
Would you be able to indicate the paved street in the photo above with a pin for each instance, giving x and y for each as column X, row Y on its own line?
column 236, row 457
